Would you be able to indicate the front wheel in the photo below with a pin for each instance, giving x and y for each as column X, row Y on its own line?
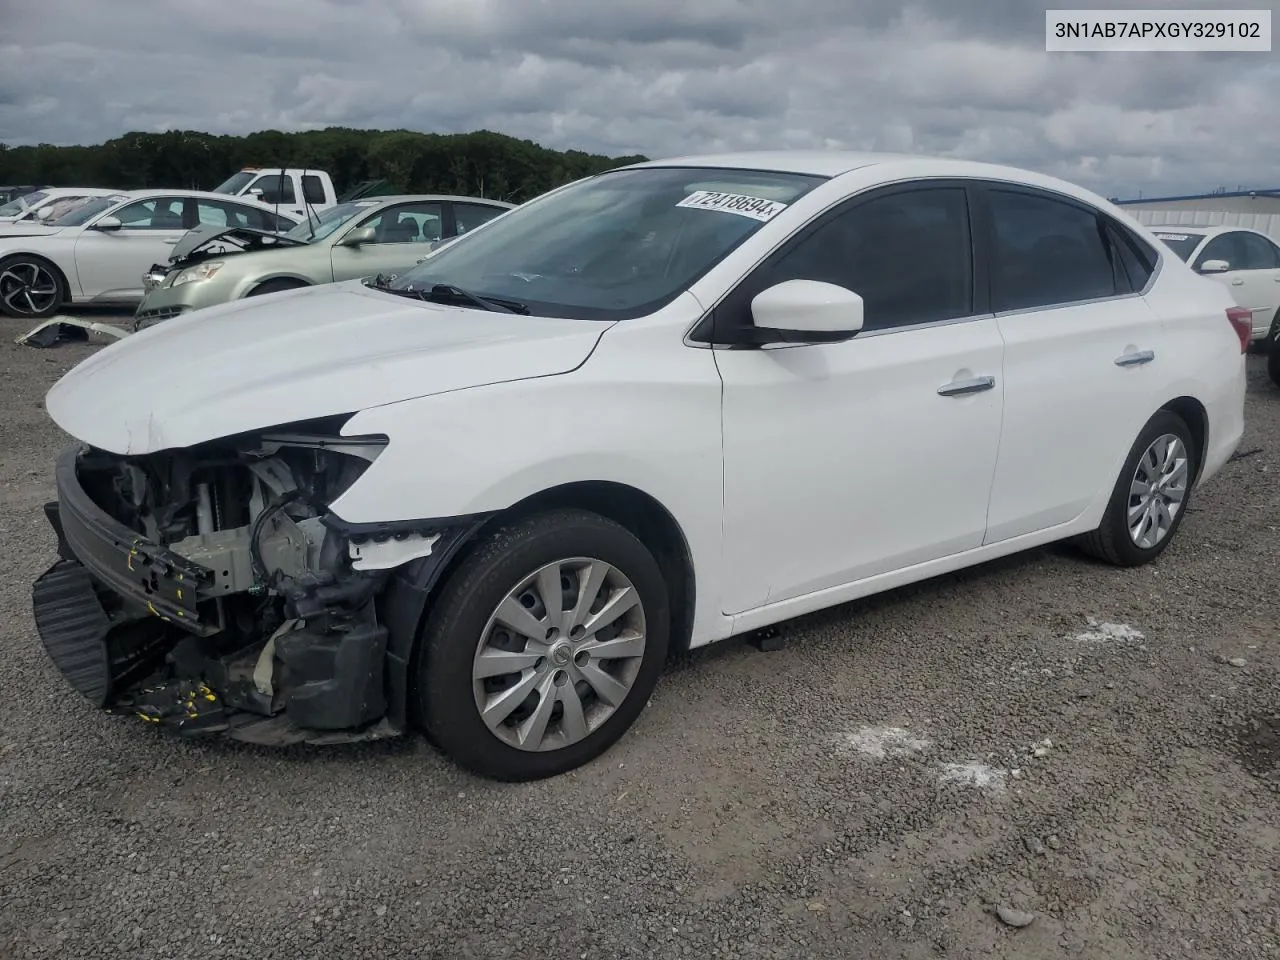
column 275, row 286
column 1273, row 363
column 30, row 288
column 543, row 646
column 1150, row 497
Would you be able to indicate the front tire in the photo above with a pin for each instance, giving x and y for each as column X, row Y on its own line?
column 1151, row 495
column 1273, row 363
column 543, row 646
column 31, row 288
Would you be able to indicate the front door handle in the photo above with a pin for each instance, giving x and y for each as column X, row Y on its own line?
column 1238, row 282
column 962, row 388
column 1135, row 359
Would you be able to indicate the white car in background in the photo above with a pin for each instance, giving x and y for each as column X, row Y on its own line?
column 98, row 252
column 647, row 411
column 1245, row 261
column 48, row 204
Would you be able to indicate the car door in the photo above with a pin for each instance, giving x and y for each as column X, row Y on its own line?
column 1082, row 359
column 847, row 460
column 111, row 263
column 1248, row 275
column 1253, row 275
column 403, row 234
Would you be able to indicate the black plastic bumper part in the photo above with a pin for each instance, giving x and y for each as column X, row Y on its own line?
column 73, row 628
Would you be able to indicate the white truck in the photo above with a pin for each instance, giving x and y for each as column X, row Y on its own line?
column 294, row 189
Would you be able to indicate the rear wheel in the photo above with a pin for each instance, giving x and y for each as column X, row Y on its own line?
column 543, row 647
column 275, row 286
column 30, row 288
column 1150, row 497
column 1273, row 364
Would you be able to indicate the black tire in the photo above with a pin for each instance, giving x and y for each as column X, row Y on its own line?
column 444, row 695
column 275, row 286
column 1111, row 541
column 16, row 291
column 1273, row 364
column 1273, row 334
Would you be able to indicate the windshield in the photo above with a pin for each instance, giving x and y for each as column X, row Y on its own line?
column 1183, row 244
column 15, row 207
column 87, row 211
column 236, row 182
column 612, row 247
column 329, row 221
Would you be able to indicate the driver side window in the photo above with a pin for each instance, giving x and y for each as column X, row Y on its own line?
column 906, row 253
column 1222, row 247
column 407, row 223
column 159, row 213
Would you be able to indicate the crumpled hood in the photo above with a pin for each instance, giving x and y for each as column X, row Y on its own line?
column 292, row 356
column 197, row 237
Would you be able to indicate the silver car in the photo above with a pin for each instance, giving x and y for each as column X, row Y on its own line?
column 360, row 238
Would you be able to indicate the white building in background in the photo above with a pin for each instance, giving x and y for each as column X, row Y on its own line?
column 1256, row 209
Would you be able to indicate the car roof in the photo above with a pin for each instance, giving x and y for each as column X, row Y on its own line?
column 422, row 197
column 888, row 167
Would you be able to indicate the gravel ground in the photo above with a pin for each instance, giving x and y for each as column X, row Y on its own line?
column 1043, row 735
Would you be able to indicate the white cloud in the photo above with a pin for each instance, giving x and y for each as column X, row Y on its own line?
column 964, row 78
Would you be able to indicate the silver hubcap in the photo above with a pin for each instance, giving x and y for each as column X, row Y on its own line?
column 559, row 655
column 28, row 288
column 1158, row 489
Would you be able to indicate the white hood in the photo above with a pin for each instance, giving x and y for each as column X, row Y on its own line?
column 285, row 357
column 12, row 228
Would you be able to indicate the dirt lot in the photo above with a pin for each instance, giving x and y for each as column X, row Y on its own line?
column 1096, row 747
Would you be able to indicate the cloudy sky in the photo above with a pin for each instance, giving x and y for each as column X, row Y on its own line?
column 966, row 78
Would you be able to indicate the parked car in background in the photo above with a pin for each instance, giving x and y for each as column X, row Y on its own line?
column 98, row 252
column 11, row 192
column 47, row 205
column 214, row 264
column 649, row 410
column 292, row 189
column 1245, row 261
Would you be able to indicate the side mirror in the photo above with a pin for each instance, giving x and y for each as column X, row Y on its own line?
column 256, row 192
column 357, row 237
column 108, row 223
column 1215, row 266
column 807, row 311
column 44, row 213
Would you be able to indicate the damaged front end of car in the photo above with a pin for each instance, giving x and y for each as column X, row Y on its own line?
column 211, row 589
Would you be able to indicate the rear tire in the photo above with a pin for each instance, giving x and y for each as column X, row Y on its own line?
column 1151, row 495
column 1273, row 364
column 275, row 286
column 558, row 690
column 31, row 288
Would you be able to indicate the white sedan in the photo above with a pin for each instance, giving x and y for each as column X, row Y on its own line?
column 48, row 204
column 98, row 252
column 1245, row 261
column 647, row 411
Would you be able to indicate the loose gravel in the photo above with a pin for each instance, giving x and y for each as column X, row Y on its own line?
column 1091, row 748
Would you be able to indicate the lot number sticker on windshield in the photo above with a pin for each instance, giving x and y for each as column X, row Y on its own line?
column 743, row 206
column 1172, row 236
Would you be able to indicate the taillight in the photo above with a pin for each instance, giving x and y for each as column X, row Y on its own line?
column 1241, row 318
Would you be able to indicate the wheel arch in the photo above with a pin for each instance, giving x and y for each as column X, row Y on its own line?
column 410, row 590
column 1196, row 417
column 295, row 280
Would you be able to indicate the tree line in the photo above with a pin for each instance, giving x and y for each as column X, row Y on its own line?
column 481, row 163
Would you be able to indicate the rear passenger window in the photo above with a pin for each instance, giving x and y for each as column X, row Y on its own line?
column 1137, row 259
column 312, row 189
column 906, row 254
column 1046, row 252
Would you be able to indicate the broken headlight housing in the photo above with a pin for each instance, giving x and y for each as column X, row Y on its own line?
column 201, row 271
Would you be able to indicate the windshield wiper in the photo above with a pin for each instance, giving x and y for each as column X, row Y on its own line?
column 449, row 293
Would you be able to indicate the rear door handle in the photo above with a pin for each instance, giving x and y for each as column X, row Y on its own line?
column 1238, row 282
column 1136, row 359
column 962, row 388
